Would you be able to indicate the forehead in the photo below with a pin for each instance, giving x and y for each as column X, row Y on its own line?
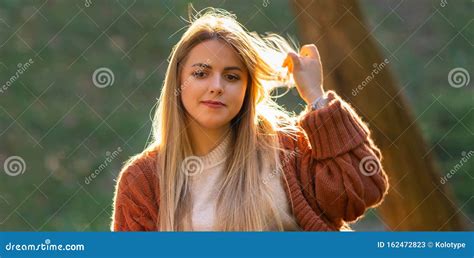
column 216, row 53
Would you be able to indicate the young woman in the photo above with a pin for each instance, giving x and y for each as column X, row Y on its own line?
column 226, row 157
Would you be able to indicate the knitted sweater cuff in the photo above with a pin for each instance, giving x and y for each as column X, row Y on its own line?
column 334, row 129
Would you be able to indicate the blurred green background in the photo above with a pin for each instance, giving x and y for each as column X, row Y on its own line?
column 65, row 128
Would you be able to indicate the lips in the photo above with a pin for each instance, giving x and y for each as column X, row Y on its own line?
column 213, row 104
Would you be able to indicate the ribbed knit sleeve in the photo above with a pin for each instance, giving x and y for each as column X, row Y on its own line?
column 340, row 162
column 135, row 205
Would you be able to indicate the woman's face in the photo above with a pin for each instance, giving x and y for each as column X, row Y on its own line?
column 213, row 84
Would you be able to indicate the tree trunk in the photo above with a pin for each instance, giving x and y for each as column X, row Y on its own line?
column 356, row 70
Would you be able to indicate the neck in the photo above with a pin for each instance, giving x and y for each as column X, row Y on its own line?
column 204, row 140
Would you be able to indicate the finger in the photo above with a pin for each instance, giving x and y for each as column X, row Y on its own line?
column 295, row 61
column 285, row 62
column 310, row 50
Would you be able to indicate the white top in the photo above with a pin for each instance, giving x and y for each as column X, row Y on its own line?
column 204, row 194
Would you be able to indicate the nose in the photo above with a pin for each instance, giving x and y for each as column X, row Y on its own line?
column 216, row 86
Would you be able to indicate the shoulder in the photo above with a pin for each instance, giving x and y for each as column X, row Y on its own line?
column 139, row 174
column 136, row 194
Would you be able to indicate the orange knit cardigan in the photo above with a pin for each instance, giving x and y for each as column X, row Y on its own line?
column 334, row 177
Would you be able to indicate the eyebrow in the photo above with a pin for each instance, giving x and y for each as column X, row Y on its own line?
column 208, row 66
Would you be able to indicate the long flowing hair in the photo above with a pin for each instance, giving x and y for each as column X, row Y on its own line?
column 244, row 202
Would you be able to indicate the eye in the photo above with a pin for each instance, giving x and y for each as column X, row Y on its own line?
column 199, row 74
column 232, row 77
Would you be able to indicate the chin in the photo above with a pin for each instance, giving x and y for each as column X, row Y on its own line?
column 213, row 123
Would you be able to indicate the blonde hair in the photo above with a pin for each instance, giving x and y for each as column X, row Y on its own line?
column 244, row 201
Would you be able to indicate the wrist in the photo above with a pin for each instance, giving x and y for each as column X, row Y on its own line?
column 313, row 96
column 318, row 103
